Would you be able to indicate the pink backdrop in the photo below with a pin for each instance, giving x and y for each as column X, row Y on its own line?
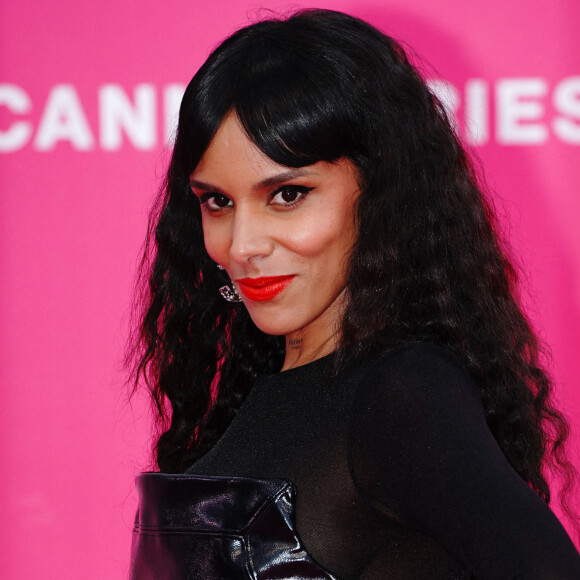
column 87, row 94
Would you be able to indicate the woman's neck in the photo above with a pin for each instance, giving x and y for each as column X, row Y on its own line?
column 299, row 352
column 319, row 338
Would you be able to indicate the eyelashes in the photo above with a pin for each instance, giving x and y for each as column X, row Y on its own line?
column 215, row 201
column 283, row 198
column 290, row 195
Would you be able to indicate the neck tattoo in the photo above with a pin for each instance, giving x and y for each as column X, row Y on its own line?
column 295, row 343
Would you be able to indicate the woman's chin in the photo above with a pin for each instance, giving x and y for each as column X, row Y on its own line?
column 276, row 325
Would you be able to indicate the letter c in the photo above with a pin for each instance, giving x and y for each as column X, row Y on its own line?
column 17, row 102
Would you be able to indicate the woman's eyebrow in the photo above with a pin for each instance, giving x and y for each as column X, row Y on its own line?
column 288, row 175
column 281, row 177
column 203, row 186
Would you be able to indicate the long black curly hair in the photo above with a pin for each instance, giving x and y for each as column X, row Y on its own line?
column 428, row 264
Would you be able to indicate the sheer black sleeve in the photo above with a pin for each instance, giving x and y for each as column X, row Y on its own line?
column 421, row 452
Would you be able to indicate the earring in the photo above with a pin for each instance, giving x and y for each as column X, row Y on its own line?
column 228, row 291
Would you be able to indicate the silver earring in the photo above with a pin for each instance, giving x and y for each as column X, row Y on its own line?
column 228, row 291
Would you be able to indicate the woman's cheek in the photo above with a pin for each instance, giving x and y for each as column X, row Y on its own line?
column 216, row 241
column 314, row 237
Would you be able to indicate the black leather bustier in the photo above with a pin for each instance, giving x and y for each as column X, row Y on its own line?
column 215, row 528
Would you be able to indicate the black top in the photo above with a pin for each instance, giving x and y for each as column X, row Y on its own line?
column 396, row 472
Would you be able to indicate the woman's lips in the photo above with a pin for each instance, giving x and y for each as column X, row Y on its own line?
column 264, row 288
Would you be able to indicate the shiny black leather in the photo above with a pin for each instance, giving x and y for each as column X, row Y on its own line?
column 208, row 528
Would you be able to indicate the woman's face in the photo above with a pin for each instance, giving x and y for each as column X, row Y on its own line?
column 283, row 234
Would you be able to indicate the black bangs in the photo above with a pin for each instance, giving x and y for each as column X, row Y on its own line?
column 297, row 100
column 292, row 105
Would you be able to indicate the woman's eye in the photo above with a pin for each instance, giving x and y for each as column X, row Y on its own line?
column 215, row 201
column 289, row 195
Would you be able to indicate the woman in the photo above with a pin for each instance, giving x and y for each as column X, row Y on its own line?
column 374, row 406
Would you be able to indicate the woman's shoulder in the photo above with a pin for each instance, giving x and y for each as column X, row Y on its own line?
column 420, row 371
column 412, row 400
column 421, row 448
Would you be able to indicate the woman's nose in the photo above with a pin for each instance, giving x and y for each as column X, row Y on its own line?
column 251, row 237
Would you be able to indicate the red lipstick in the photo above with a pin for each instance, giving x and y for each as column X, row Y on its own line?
column 264, row 288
